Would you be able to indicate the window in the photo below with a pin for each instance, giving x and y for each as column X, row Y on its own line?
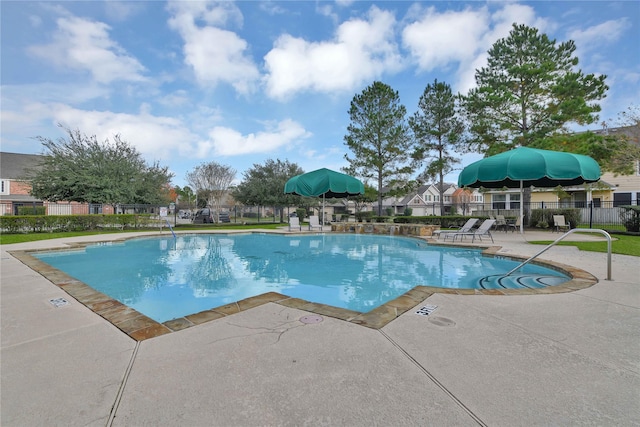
column 597, row 202
column 499, row 201
column 506, row 201
column 621, row 199
column 4, row 186
column 514, row 201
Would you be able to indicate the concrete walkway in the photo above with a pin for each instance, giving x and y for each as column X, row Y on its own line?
column 537, row 360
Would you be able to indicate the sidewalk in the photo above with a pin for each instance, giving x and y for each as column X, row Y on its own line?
column 557, row 359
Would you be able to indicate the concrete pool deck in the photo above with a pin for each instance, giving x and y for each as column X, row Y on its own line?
column 548, row 359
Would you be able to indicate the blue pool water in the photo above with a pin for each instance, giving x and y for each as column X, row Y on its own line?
column 165, row 278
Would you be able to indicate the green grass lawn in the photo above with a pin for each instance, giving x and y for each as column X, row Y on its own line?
column 621, row 244
column 6, row 239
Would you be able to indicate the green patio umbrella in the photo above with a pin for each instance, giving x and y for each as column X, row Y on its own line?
column 525, row 166
column 326, row 183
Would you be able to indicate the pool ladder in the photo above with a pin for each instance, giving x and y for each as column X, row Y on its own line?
column 578, row 230
column 171, row 229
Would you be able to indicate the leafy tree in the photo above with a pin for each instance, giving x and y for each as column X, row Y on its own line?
column 627, row 159
column 379, row 137
column 437, row 128
column 213, row 179
column 185, row 194
column 80, row 168
column 614, row 152
column 616, row 147
column 361, row 200
column 529, row 90
column 263, row 185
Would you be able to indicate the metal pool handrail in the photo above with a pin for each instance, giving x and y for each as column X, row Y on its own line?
column 581, row 230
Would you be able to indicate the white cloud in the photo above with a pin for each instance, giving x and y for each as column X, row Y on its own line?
column 362, row 50
column 439, row 39
column 504, row 18
column 272, row 8
column 85, row 45
column 600, row 35
column 216, row 55
column 121, row 11
column 461, row 39
column 178, row 98
column 225, row 141
column 155, row 137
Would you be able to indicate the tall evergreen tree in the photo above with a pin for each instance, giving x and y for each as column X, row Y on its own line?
column 438, row 130
column 529, row 90
column 379, row 137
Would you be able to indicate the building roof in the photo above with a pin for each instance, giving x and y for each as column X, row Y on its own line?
column 16, row 166
column 20, row 198
column 632, row 132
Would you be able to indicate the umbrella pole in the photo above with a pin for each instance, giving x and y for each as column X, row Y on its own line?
column 322, row 227
column 521, row 208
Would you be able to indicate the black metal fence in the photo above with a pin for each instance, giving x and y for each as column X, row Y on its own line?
column 607, row 215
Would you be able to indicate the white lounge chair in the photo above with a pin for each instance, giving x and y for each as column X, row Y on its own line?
column 314, row 222
column 483, row 230
column 294, row 222
column 559, row 223
column 464, row 229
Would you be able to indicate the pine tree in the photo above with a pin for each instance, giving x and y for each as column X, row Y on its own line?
column 529, row 90
column 379, row 137
column 437, row 128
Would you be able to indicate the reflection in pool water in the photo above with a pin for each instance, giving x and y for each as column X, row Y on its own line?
column 165, row 278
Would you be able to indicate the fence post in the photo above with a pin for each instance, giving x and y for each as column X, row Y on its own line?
column 591, row 214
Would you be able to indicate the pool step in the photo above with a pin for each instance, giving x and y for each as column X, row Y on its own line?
column 519, row 281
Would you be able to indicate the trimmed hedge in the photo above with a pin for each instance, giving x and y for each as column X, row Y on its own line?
column 32, row 210
column 364, row 216
column 542, row 216
column 51, row 223
column 446, row 221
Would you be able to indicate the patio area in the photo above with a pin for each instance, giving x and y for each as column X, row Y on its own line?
column 546, row 359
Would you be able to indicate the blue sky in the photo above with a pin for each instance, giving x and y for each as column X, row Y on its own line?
column 242, row 82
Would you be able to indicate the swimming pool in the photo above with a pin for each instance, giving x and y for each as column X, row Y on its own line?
column 166, row 278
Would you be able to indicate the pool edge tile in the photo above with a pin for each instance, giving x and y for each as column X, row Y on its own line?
column 139, row 327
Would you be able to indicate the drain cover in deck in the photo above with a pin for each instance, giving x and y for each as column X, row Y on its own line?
column 58, row 302
column 311, row 318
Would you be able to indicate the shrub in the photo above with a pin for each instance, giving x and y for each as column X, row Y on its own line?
column 31, row 210
column 408, row 211
column 364, row 216
column 447, row 221
column 51, row 223
column 540, row 216
column 630, row 216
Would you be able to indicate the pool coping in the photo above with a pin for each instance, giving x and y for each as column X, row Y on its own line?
column 140, row 327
